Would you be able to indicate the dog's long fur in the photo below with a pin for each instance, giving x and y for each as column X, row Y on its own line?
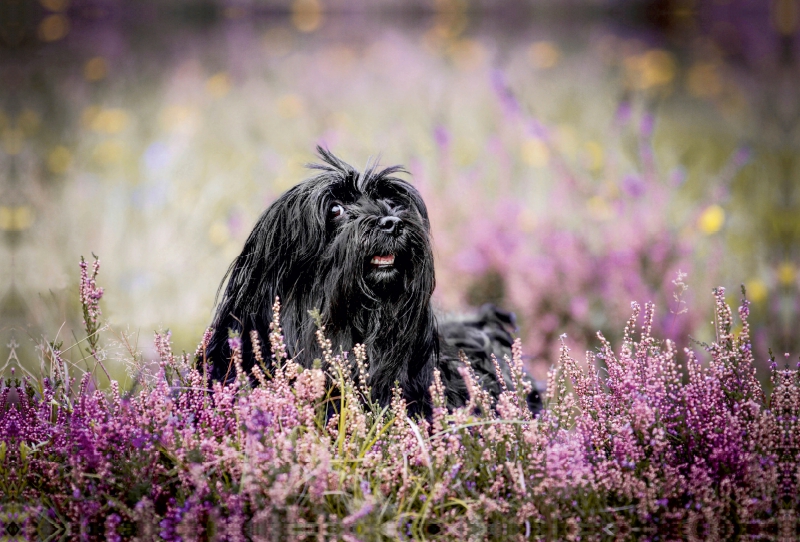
column 312, row 248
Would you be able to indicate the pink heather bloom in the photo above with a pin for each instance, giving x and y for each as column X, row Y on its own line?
column 624, row 441
column 90, row 293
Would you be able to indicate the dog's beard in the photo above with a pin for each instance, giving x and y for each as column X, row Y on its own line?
column 377, row 292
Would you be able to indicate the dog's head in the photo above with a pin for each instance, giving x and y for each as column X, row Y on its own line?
column 356, row 246
column 371, row 229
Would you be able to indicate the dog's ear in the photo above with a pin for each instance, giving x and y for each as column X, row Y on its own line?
column 282, row 249
column 285, row 243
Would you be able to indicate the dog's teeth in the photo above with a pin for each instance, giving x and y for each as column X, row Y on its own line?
column 382, row 260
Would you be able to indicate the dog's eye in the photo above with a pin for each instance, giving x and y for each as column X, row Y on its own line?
column 336, row 210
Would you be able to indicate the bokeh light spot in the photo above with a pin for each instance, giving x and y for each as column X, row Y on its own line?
column 59, row 160
column 756, row 290
column 109, row 121
column 218, row 233
column 787, row 274
column 342, row 58
column 88, row 115
column 468, row 55
column 451, row 21
column 711, row 220
column 598, row 208
column 652, row 68
column 53, row 27
column 594, row 156
column 703, row 80
column 567, row 140
column 173, row 116
column 13, row 138
column 534, row 153
column 54, row 5
column 28, row 122
column 526, row 220
column 108, row 152
column 95, row 69
column 218, row 85
column 290, row 106
column 17, row 218
column 544, row 54
column 306, row 15
column 785, row 16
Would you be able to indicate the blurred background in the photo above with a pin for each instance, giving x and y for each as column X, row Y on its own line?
column 575, row 155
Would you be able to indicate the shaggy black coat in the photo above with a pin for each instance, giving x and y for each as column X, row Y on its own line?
column 356, row 247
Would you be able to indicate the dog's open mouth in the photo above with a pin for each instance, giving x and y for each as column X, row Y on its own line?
column 382, row 262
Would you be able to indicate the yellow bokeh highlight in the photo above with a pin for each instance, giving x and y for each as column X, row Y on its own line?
column 466, row 151
column 174, row 115
column 95, row 69
column 650, row 69
column 544, row 54
column 17, row 218
column 535, row 153
column 59, row 160
column 756, row 290
column 290, row 106
column 54, row 5
column 468, row 55
column 218, row 233
column 28, row 122
column 88, row 114
column 567, row 138
column 306, row 15
column 612, row 189
column 785, row 16
column 340, row 119
column 451, row 21
column 787, row 274
column 526, row 220
column 53, row 27
column 107, row 121
column 703, row 80
column 13, row 139
column 599, row 208
column 712, row 219
column 341, row 58
column 218, row 85
column 595, row 158
column 108, row 152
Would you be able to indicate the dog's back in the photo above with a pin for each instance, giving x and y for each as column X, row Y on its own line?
column 479, row 336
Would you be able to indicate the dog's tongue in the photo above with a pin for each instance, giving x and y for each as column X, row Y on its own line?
column 383, row 261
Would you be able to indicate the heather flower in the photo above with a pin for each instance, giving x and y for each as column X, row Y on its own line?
column 626, row 443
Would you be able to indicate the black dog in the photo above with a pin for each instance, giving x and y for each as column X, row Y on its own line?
column 356, row 246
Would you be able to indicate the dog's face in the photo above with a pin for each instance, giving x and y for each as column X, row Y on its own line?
column 377, row 237
column 343, row 238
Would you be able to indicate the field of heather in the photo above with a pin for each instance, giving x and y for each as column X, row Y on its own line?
column 622, row 175
column 636, row 441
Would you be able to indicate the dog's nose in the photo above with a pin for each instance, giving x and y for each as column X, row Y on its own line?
column 391, row 225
